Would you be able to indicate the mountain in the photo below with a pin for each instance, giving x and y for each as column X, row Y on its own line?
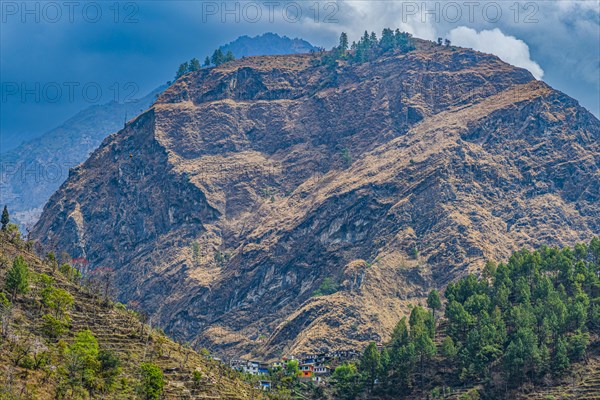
column 41, row 348
column 286, row 203
column 37, row 168
column 267, row 44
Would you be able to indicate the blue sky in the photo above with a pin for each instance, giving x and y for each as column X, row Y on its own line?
column 57, row 58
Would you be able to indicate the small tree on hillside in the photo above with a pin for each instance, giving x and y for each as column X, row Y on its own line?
column 110, row 367
column 152, row 383
column 370, row 363
column 327, row 287
column 343, row 47
column 5, row 218
column 183, row 68
column 13, row 232
column 194, row 65
column 346, row 380
column 17, row 278
column 103, row 277
column 82, row 359
column 52, row 261
column 207, row 61
column 58, row 300
column 217, row 58
column 434, row 302
column 229, row 57
column 53, row 327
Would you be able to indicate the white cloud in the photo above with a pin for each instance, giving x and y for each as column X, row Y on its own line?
column 356, row 16
column 510, row 49
column 586, row 5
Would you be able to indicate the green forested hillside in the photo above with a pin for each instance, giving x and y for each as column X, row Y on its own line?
column 525, row 328
column 61, row 339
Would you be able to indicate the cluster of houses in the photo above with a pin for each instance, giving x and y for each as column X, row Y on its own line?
column 313, row 367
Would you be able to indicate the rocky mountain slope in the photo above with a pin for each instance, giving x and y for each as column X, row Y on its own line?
column 226, row 205
column 37, row 365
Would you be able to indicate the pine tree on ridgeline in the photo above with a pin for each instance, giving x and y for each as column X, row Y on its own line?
column 5, row 218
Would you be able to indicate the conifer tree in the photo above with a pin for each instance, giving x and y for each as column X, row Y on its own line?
column 370, row 363
column 343, row 46
column 229, row 57
column 448, row 349
column 17, row 277
column 373, row 39
column 183, row 68
column 387, row 40
column 434, row 302
column 5, row 218
column 218, row 57
column 560, row 360
column 194, row 65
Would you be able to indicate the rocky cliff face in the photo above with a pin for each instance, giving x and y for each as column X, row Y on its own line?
column 226, row 204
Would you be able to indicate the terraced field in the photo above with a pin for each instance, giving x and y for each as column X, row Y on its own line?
column 116, row 329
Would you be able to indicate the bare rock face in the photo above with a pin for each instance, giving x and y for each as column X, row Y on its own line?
column 225, row 205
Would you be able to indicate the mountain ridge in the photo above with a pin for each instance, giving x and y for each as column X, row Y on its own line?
column 246, row 185
column 267, row 44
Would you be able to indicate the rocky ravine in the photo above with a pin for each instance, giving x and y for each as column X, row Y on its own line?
column 225, row 205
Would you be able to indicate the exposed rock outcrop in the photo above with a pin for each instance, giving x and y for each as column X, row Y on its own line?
column 226, row 204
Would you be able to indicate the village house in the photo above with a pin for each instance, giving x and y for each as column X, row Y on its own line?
column 321, row 369
column 344, row 354
column 320, row 372
column 309, row 359
column 237, row 364
column 306, row 371
column 255, row 367
column 263, row 368
column 252, row 367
